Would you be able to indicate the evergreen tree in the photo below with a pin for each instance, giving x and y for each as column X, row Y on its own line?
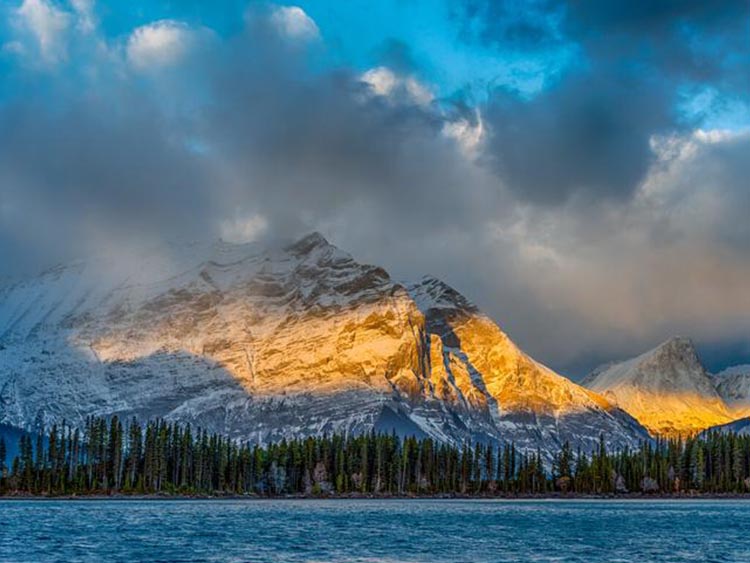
column 3, row 455
column 162, row 457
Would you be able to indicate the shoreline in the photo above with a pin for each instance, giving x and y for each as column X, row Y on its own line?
column 119, row 497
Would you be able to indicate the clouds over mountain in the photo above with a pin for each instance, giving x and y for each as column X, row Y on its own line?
column 602, row 199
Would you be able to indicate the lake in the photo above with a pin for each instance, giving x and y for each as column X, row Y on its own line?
column 375, row 531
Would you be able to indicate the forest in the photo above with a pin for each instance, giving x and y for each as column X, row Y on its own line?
column 115, row 457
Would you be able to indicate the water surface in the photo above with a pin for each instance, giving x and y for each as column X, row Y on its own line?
column 376, row 531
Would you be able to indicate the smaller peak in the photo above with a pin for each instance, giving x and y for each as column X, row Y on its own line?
column 676, row 343
column 679, row 341
column 741, row 370
column 676, row 348
column 678, row 356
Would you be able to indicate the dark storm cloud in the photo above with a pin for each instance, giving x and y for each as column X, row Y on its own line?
column 300, row 147
column 590, row 17
column 589, row 132
column 686, row 40
column 244, row 128
column 83, row 167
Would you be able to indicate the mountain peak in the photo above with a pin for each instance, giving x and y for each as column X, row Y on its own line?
column 677, row 340
column 678, row 351
column 672, row 365
column 667, row 388
column 308, row 243
column 676, row 344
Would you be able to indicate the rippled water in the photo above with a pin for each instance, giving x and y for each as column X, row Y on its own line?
column 375, row 531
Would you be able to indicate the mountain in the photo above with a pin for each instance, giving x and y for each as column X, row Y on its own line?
column 740, row 427
column 733, row 385
column 666, row 389
column 266, row 343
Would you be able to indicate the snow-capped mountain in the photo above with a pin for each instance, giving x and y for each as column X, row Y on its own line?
column 733, row 385
column 292, row 340
column 666, row 389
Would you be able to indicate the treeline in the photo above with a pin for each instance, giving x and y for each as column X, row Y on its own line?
column 109, row 457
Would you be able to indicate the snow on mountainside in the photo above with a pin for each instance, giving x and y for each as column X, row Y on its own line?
column 293, row 340
column 666, row 389
column 733, row 385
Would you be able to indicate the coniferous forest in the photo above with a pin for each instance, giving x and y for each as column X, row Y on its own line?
column 112, row 457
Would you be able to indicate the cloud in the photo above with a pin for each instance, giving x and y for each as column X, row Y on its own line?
column 468, row 132
column 84, row 9
column 588, row 136
column 588, row 216
column 47, row 25
column 587, row 132
column 672, row 259
column 384, row 82
column 243, row 229
column 529, row 25
column 159, row 44
column 294, row 23
column 248, row 140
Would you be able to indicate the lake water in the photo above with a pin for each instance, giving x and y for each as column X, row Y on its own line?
column 375, row 531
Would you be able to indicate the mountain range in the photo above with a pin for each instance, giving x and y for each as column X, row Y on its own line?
column 269, row 342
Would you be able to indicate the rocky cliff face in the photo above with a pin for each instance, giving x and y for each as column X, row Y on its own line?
column 666, row 389
column 289, row 341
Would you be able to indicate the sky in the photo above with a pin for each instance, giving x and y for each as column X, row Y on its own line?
column 577, row 168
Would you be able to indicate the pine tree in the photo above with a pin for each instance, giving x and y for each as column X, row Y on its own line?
column 3, row 455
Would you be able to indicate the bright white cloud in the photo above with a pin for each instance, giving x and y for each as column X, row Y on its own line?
column 47, row 25
column 294, row 23
column 382, row 81
column 468, row 134
column 158, row 44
